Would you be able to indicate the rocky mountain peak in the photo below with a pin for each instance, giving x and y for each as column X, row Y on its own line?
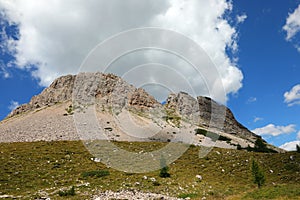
column 111, row 93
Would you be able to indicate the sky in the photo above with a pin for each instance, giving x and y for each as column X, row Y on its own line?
column 253, row 44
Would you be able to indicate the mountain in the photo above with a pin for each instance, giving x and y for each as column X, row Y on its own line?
column 67, row 108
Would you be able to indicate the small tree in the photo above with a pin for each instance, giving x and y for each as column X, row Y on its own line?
column 258, row 175
column 260, row 145
column 239, row 147
column 164, row 168
column 297, row 148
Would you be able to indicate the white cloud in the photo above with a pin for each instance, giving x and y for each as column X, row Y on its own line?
column 5, row 74
column 256, row 119
column 241, row 18
column 57, row 35
column 13, row 105
column 273, row 130
column 298, row 135
column 292, row 97
column 292, row 25
column 290, row 146
column 251, row 100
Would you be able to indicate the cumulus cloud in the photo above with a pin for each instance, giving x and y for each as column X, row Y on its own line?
column 241, row 18
column 56, row 36
column 292, row 25
column 273, row 130
column 290, row 146
column 13, row 105
column 292, row 97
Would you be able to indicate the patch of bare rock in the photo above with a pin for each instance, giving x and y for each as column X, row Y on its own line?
column 124, row 194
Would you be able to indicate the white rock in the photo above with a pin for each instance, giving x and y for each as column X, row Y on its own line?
column 152, row 179
column 199, row 177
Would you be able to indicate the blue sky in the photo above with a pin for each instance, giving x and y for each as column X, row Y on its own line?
column 271, row 66
column 264, row 54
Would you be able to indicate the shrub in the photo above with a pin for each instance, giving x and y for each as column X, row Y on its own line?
column 155, row 183
column 69, row 110
column 223, row 138
column 212, row 135
column 70, row 192
column 98, row 173
column 199, row 131
column 260, row 146
column 164, row 168
column 239, row 147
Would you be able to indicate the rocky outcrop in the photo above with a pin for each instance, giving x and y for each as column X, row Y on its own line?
column 110, row 92
column 207, row 113
column 230, row 124
column 141, row 98
column 59, row 91
column 183, row 103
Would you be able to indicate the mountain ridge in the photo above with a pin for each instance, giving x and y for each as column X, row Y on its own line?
column 113, row 97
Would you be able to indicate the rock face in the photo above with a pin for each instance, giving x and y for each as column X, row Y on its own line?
column 230, row 124
column 60, row 90
column 113, row 95
column 141, row 98
column 206, row 113
column 109, row 92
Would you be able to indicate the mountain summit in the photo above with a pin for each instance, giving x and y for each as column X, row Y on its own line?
column 123, row 113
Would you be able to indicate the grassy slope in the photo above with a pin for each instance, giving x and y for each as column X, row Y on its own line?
column 30, row 169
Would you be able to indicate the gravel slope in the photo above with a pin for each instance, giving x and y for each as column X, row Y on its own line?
column 45, row 124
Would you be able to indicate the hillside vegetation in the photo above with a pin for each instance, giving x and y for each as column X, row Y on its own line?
column 65, row 170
